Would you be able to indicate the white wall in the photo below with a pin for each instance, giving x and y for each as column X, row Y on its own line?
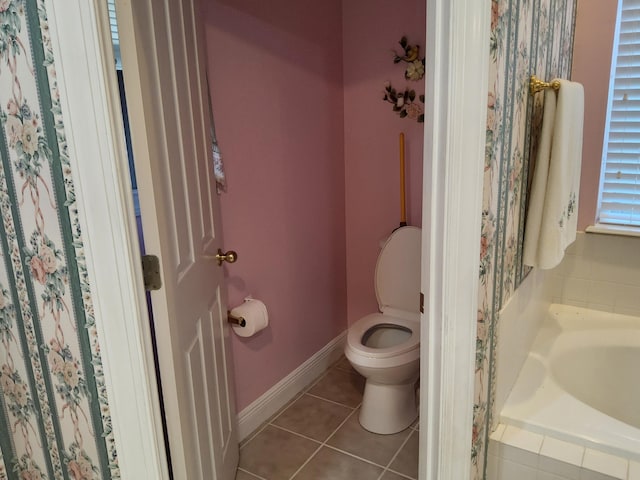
column 518, row 324
column 601, row 272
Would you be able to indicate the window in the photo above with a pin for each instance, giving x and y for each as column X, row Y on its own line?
column 619, row 201
column 111, row 5
column 115, row 40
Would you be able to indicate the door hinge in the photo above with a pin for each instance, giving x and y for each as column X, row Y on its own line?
column 421, row 302
column 151, row 272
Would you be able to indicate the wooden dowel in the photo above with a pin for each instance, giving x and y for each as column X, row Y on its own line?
column 403, row 206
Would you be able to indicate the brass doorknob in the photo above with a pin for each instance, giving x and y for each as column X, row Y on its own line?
column 229, row 257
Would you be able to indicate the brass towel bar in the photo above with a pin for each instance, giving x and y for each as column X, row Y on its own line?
column 536, row 85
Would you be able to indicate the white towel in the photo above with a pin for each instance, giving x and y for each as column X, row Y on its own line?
column 553, row 207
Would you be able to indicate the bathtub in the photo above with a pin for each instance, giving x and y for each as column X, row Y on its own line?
column 581, row 381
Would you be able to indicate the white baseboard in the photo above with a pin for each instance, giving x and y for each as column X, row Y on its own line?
column 260, row 410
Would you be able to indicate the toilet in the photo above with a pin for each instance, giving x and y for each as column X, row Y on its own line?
column 384, row 347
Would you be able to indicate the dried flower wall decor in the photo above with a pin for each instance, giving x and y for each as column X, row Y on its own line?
column 404, row 102
column 415, row 69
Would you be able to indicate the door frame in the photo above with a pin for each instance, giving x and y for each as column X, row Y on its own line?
column 457, row 85
column 86, row 77
column 455, row 136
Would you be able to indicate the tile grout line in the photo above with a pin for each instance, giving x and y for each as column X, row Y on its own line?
column 402, row 475
column 333, row 401
column 325, row 444
column 305, row 391
column 277, row 415
column 249, row 473
column 406, row 440
column 399, row 474
column 321, row 445
column 339, row 426
column 295, row 433
column 257, row 432
column 370, row 462
column 356, row 456
column 268, row 422
column 306, row 461
column 315, row 382
column 299, row 395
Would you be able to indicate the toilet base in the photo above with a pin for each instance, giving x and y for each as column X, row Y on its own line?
column 388, row 409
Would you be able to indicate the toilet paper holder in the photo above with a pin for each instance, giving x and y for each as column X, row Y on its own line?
column 236, row 320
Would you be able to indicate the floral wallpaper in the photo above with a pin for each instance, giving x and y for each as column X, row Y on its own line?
column 527, row 37
column 54, row 414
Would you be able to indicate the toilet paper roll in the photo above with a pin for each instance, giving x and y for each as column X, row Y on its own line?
column 255, row 315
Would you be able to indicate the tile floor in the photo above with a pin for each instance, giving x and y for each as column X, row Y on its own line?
column 318, row 437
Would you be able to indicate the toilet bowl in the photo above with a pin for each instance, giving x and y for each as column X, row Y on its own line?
column 384, row 347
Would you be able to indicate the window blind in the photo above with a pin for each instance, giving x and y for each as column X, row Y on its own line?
column 111, row 5
column 620, row 177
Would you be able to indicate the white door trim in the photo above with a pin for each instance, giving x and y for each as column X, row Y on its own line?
column 455, row 129
column 89, row 90
column 457, row 52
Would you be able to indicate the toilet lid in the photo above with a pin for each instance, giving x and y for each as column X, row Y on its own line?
column 397, row 278
column 358, row 330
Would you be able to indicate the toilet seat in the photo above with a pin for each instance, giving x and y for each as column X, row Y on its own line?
column 397, row 274
column 358, row 329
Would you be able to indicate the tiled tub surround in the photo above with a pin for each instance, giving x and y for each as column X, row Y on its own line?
column 516, row 454
column 317, row 436
column 551, row 432
column 601, row 272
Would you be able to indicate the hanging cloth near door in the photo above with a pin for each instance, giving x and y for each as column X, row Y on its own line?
column 218, row 166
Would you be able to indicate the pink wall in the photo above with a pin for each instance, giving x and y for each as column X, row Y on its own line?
column 297, row 94
column 371, row 30
column 275, row 69
column 593, row 44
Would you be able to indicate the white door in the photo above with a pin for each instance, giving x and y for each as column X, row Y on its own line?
column 163, row 57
